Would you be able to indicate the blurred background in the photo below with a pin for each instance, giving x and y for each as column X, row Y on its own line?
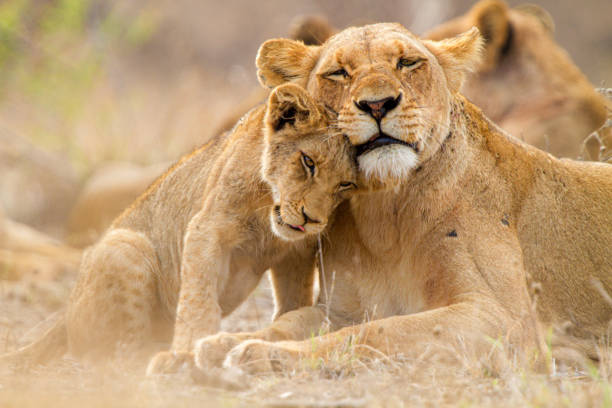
column 87, row 82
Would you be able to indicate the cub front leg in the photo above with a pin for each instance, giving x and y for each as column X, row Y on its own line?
column 298, row 324
column 198, row 312
column 293, row 284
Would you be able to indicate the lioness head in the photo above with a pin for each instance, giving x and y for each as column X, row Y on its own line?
column 391, row 90
column 308, row 164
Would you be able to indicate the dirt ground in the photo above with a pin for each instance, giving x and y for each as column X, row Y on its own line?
column 424, row 382
column 24, row 306
column 93, row 82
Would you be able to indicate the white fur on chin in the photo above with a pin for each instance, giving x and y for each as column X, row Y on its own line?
column 388, row 162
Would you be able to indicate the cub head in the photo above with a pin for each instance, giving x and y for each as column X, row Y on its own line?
column 391, row 90
column 308, row 164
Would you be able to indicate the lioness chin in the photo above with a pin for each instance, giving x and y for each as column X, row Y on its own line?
column 193, row 247
column 440, row 260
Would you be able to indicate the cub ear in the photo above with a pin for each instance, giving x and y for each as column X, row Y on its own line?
column 291, row 105
column 491, row 18
column 458, row 55
column 282, row 60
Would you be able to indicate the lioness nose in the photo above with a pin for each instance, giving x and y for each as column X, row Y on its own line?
column 378, row 109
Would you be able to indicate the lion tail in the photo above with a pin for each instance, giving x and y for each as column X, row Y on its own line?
column 52, row 344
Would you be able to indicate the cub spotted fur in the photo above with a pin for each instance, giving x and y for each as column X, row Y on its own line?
column 193, row 247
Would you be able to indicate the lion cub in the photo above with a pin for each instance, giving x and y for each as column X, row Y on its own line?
column 194, row 246
column 302, row 169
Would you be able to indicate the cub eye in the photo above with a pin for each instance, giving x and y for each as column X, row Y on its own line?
column 341, row 72
column 346, row 185
column 408, row 63
column 308, row 164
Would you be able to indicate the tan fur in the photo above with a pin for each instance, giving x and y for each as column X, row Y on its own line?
column 194, row 246
column 441, row 260
column 527, row 83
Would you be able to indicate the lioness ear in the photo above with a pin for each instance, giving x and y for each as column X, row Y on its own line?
column 491, row 18
column 282, row 60
column 290, row 104
column 458, row 55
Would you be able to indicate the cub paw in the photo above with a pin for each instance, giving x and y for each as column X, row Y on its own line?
column 171, row 362
column 258, row 356
column 211, row 351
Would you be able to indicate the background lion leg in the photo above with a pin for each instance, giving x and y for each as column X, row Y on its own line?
column 111, row 308
column 203, row 265
column 293, row 282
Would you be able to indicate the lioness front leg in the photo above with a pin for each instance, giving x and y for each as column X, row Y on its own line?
column 198, row 312
column 472, row 328
column 293, row 284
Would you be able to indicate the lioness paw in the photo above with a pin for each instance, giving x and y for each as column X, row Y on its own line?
column 210, row 351
column 258, row 356
column 169, row 362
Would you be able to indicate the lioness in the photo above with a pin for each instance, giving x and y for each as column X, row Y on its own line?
column 194, row 246
column 442, row 257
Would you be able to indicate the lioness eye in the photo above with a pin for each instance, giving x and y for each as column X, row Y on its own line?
column 308, row 164
column 341, row 72
column 407, row 63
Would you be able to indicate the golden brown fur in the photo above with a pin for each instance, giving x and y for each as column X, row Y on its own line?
column 193, row 247
column 440, row 260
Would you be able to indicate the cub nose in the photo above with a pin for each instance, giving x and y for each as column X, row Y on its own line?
column 378, row 109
